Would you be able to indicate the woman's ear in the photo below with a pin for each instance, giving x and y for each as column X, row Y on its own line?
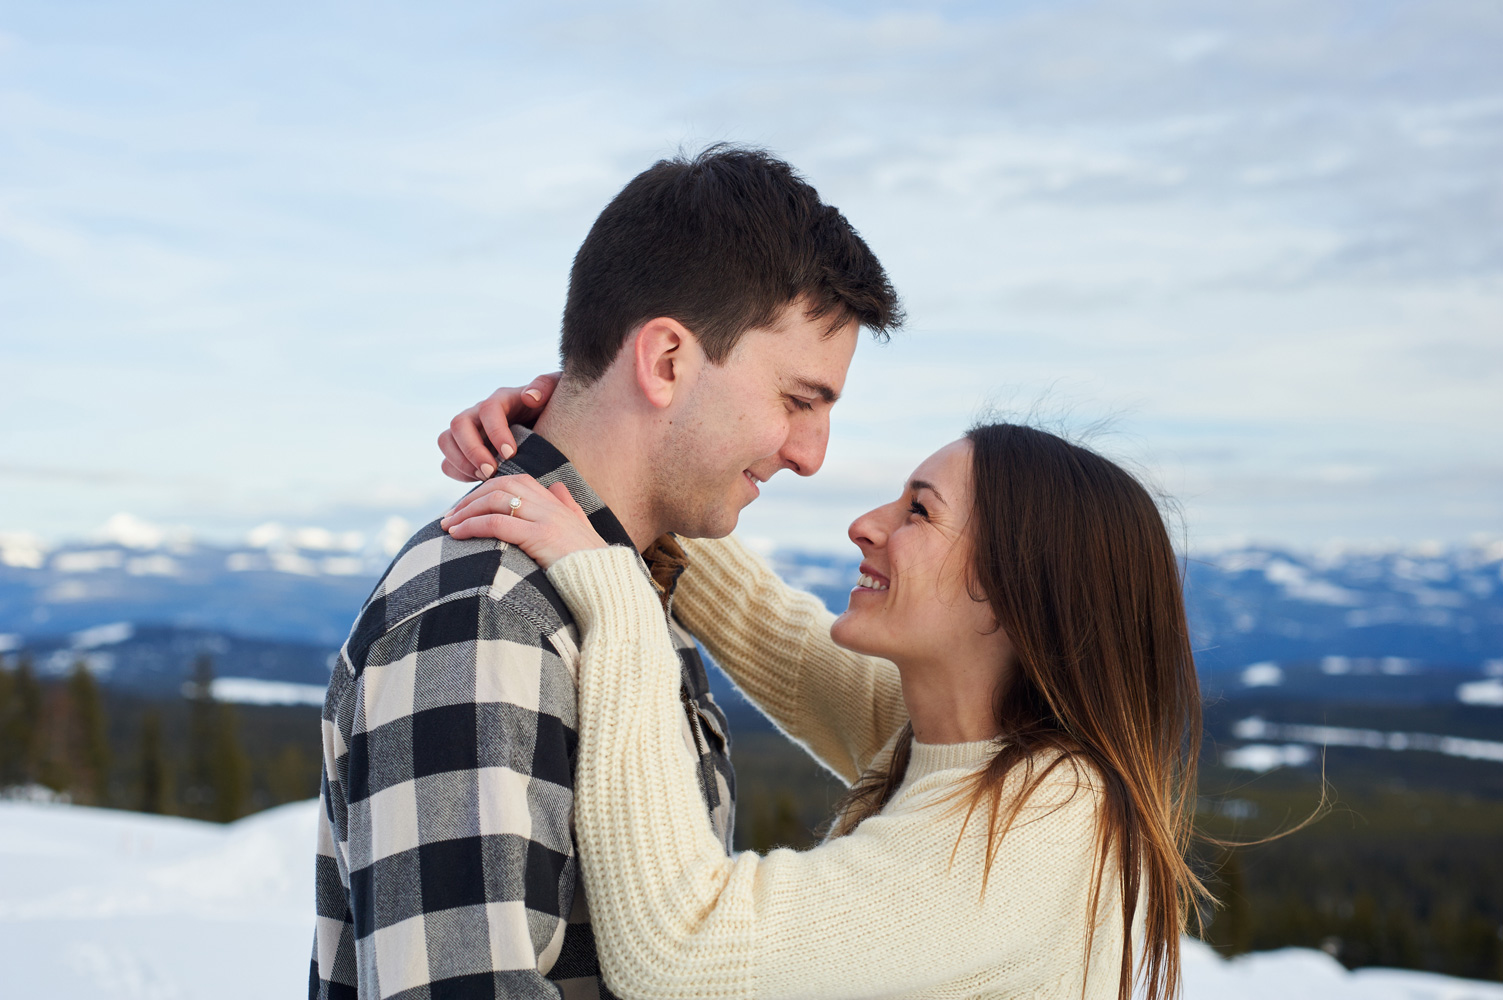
column 667, row 358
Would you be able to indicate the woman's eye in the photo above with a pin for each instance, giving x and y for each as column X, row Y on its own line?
column 914, row 507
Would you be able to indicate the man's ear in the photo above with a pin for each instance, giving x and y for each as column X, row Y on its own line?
column 667, row 357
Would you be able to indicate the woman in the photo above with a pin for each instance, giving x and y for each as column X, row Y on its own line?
column 1011, row 694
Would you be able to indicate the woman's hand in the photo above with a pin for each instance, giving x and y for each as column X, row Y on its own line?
column 545, row 523
column 477, row 435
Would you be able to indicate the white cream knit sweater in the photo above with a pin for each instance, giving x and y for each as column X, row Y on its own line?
column 881, row 912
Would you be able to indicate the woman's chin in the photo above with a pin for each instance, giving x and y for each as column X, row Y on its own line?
column 847, row 633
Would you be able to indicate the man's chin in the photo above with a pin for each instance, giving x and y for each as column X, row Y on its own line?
column 712, row 524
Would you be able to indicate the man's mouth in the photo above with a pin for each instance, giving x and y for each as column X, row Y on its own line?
column 753, row 480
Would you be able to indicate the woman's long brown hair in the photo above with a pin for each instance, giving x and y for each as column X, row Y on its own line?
column 1073, row 556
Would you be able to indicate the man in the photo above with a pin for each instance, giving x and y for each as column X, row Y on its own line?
column 711, row 316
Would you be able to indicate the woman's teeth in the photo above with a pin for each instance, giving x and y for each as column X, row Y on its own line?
column 870, row 583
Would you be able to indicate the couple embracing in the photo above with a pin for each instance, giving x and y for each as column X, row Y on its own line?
column 528, row 789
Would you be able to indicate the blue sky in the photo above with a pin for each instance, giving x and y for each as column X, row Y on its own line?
column 253, row 256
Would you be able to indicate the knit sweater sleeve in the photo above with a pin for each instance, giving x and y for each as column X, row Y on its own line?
column 775, row 643
column 886, row 910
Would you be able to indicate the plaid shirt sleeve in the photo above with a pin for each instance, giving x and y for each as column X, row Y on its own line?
column 446, row 865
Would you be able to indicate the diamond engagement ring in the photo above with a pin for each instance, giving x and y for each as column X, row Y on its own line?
column 515, row 503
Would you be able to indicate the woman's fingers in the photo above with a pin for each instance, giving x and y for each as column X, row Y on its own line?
column 546, row 523
column 494, row 497
column 456, row 464
column 502, row 526
column 540, row 389
column 525, row 486
column 464, row 475
column 478, row 435
column 566, row 498
column 507, row 406
column 469, row 440
column 494, row 415
column 491, row 498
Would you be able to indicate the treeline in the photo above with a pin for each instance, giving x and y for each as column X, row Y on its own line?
column 1404, row 871
column 1392, row 876
column 193, row 756
column 1396, row 874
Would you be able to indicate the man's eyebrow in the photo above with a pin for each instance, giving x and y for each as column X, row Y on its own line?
column 923, row 484
column 820, row 389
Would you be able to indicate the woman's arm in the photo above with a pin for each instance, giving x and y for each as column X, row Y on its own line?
column 893, row 908
column 775, row 643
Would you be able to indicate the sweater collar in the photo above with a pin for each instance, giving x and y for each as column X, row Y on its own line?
column 929, row 758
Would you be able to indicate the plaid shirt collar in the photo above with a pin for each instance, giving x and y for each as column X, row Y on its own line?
column 545, row 463
column 537, row 457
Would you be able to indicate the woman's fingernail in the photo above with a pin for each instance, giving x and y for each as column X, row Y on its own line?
column 536, row 397
column 506, row 451
column 487, row 470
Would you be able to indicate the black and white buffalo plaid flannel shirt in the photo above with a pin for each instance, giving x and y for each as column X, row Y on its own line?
column 446, row 858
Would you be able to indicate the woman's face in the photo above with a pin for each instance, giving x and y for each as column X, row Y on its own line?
column 912, row 602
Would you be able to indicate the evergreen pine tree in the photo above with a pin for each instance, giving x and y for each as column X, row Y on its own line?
column 198, row 794
column 54, row 741
column 1232, row 931
column 89, row 746
column 18, row 725
column 231, row 768
column 153, row 792
column 9, row 753
column 292, row 776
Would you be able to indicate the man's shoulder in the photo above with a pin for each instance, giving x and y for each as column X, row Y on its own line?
column 495, row 589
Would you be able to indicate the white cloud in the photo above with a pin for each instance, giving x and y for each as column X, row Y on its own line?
column 253, row 260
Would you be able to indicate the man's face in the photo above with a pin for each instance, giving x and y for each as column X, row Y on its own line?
column 767, row 408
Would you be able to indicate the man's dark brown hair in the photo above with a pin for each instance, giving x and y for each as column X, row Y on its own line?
column 722, row 243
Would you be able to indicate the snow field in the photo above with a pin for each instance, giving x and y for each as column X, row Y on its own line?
column 96, row 903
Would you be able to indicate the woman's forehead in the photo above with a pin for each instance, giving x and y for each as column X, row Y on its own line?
column 949, row 466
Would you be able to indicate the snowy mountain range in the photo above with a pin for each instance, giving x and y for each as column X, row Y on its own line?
column 138, row 603
column 1430, row 605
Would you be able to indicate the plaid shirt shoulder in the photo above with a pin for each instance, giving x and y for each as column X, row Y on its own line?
column 446, row 864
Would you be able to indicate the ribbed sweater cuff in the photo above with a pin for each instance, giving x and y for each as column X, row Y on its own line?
column 606, row 586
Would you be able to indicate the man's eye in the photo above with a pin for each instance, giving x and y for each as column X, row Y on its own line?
column 914, row 507
column 802, row 404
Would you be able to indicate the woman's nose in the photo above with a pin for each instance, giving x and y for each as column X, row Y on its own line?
column 867, row 530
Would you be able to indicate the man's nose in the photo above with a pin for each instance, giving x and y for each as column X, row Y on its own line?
column 804, row 451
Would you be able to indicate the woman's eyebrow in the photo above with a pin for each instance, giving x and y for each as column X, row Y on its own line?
column 923, row 484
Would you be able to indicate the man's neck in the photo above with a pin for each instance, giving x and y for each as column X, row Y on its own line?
column 611, row 456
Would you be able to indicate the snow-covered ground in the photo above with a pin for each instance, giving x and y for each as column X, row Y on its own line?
column 100, row 903
column 97, row 903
